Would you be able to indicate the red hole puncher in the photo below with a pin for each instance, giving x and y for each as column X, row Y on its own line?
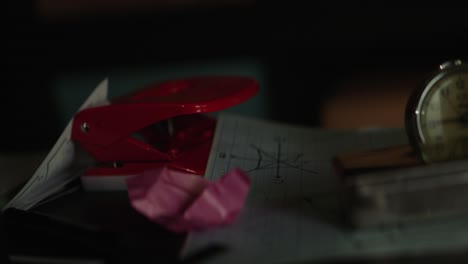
column 162, row 125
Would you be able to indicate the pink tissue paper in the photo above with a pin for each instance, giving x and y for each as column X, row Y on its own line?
column 184, row 202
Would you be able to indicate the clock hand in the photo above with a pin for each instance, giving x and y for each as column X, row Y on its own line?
column 448, row 120
column 454, row 107
column 463, row 119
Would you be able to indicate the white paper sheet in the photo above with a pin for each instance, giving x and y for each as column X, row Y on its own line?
column 293, row 202
column 60, row 166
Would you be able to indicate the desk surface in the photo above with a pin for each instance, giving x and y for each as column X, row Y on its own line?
column 102, row 225
column 91, row 225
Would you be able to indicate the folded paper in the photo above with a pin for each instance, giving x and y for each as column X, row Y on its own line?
column 183, row 202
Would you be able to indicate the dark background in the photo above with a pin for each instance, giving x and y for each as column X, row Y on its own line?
column 306, row 47
column 309, row 50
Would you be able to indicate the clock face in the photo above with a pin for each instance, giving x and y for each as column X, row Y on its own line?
column 442, row 117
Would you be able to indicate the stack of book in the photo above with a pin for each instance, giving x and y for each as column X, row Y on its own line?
column 392, row 187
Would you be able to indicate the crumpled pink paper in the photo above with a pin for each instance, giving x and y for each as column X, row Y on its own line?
column 183, row 202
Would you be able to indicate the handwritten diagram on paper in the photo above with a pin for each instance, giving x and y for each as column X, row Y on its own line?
column 290, row 159
column 276, row 160
column 293, row 206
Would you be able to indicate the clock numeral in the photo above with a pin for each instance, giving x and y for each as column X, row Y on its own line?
column 444, row 92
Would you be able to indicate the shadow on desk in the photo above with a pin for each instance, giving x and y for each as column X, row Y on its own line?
column 101, row 227
column 88, row 228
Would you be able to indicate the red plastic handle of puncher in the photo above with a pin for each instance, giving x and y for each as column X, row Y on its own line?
column 105, row 131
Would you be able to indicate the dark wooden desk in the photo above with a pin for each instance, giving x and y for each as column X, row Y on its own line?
column 94, row 225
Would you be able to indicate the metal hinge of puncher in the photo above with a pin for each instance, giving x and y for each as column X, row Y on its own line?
column 159, row 125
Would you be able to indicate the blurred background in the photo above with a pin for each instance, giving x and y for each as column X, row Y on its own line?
column 334, row 64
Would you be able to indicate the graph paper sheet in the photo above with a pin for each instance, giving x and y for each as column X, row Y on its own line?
column 292, row 209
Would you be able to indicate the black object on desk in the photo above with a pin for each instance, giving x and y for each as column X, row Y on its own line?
column 3, row 251
column 89, row 226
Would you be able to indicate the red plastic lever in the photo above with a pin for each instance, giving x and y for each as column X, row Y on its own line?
column 106, row 131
